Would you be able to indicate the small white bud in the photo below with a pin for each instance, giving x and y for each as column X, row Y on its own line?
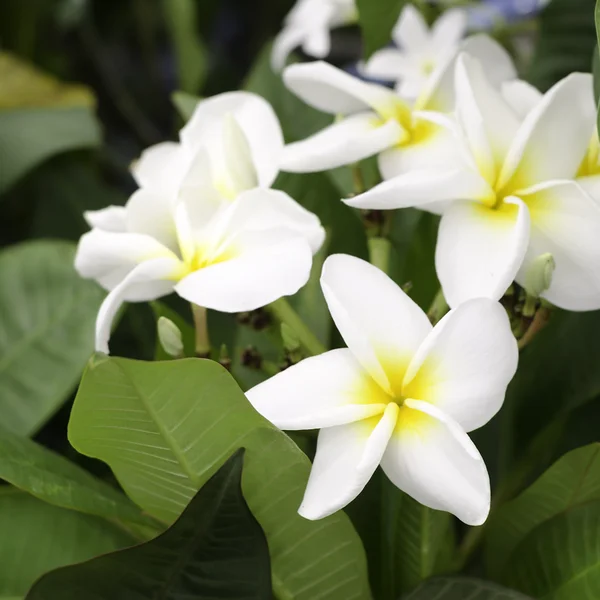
column 539, row 275
column 169, row 337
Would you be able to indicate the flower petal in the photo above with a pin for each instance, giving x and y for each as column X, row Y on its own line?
column 422, row 187
column 380, row 324
column 465, row 364
column 109, row 257
column 265, row 266
column 343, row 143
column 320, row 391
column 565, row 221
column 346, row 458
column 289, row 38
column 390, row 64
column 160, row 167
column 411, row 31
column 150, row 276
column 480, row 250
column 430, row 458
column 257, row 120
column 521, row 96
column 111, row 218
column 553, row 138
column 334, row 91
column 448, row 30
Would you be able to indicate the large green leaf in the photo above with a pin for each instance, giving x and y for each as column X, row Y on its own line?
column 565, row 43
column 38, row 537
column 39, row 117
column 216, row 549
column 46, row 331
column 377, row 19
column 560, row 559
column 573, row 480
column 165, row 428
column 463, row 589
column 54, row 479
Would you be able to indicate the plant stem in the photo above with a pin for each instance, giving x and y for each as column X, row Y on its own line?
column 201, row 325
column 357, row 179
column 439, row 307
column 379, row 253
column 282, row 310
column 542, row 316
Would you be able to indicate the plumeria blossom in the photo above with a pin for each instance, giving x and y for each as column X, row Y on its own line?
column 420, row 51
column 374, row 120
column 402, row 395
column 516, row 198
column 201, row 224
column 308, row 25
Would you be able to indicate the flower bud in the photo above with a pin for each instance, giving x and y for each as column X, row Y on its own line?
column 169, row 337
column 539, row 275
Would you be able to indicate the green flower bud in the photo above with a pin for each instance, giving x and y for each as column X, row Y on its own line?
column 169, row 337
column 290, row 339
column 539, row 275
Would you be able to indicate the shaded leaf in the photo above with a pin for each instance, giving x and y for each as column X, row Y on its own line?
column 38, row 537
column 165, row 428
column 216, row 549
column 185, row 104
column 46, row 331
column 463, row 589
column 377, row 19
column 571, row 481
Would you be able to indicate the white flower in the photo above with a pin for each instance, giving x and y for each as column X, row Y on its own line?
column 376, row 120
column 402, row 395
column 199, row 225
column 420, row 51
column 308, row 25
column 516, row 196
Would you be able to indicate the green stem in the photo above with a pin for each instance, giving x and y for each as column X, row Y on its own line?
column 202, row 337
column 379, row 253
column 282, row 310
column 439, row 307
column 357, row 179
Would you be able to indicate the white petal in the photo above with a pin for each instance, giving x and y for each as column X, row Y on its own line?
column 565, row 221
column 151, row 275
column 343, row 143
column 521, row 96
column 151, row 213
column 486, row 118
column 318, row 42
column 480, row 250
column 422, row 187
column 287, row 39
column 265, row 266
column 380, row 324
column 432, row 459
column 390, row 64
column 334, row 91
column 346, row 458
column 320, row 391
column 448, row 30
column 160, row 167
column 109, row 257
column 411, row 31
column 552, row 140
column 256, row 118
column 111, row 218
column 466, row 363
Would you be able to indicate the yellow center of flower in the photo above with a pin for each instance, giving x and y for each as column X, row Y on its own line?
column 590, row 165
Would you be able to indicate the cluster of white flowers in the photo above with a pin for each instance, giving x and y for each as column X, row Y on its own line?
column 514, row 174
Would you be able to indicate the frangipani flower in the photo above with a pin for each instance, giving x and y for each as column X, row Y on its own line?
column 420, row 51
column 515, row 198
column 402, row 395
column 376, row 121
column 308, row 25
column 199, row 225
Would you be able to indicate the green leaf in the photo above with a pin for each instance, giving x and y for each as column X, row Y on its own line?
column 571, row 481
column 160, row 309
column 181, row 20
column 165, row 428
column 185, row 104
column 463, row 589
column 39, row 537
column 55, row 480
column 216, row 549
column 377, row 19
column 46, row 331
column 566, row 41
column 560, row 559
column 40, row 117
